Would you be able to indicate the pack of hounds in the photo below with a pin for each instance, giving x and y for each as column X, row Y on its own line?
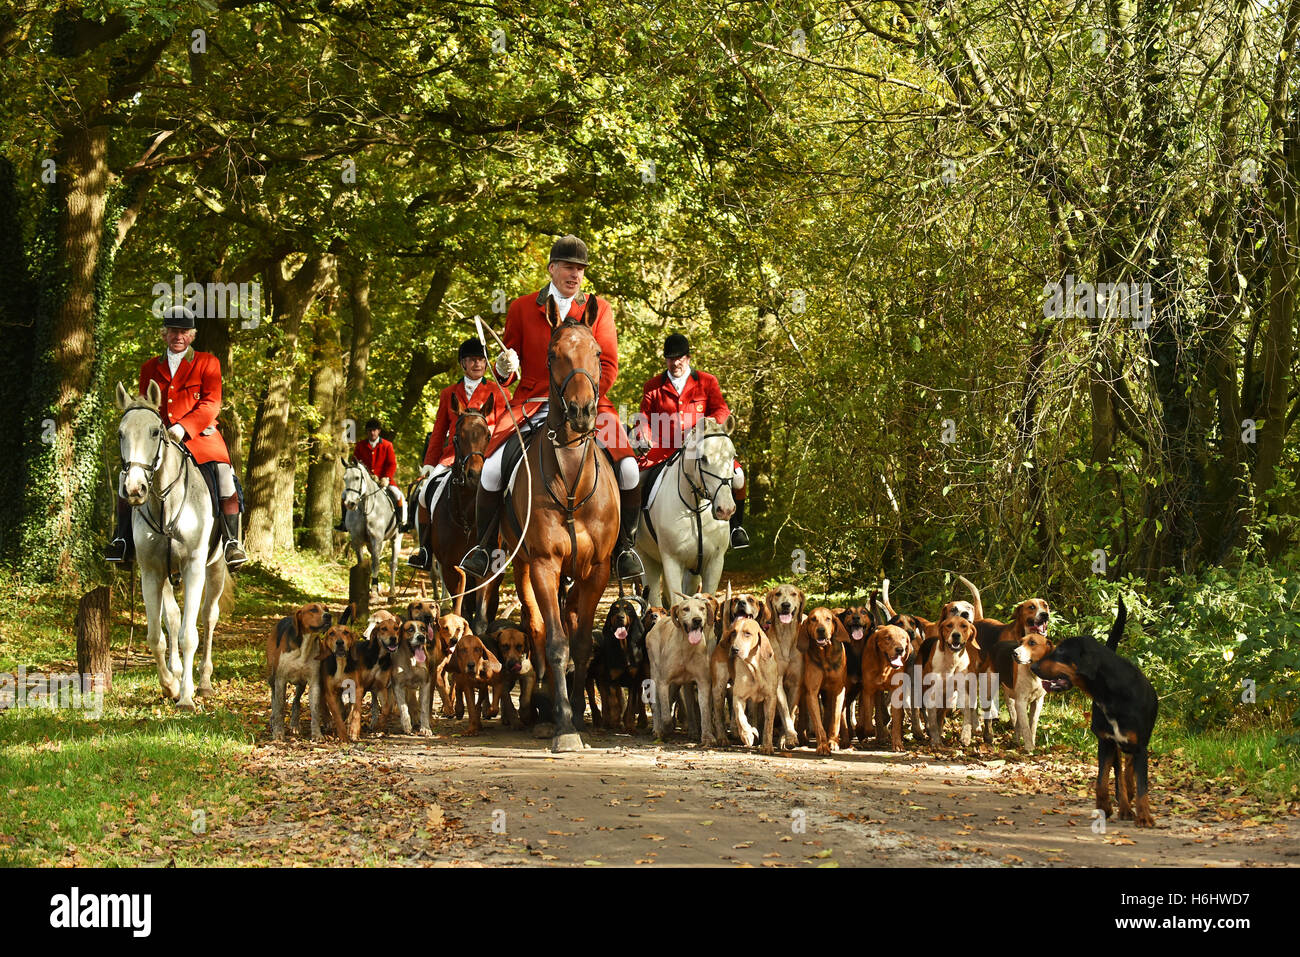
column 721, row 667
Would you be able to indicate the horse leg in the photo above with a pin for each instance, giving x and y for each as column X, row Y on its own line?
column 674, row 580
column 545, row 579
column 151, row 589
column 173, row 612
column 194, row 573
column 653, row 579
column 712, row 569
column 580, row 644
column 376, row 546
column 216, row 583
column 392, row 566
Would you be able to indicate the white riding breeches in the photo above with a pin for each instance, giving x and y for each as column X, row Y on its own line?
column 493, row 481
column 738, row 478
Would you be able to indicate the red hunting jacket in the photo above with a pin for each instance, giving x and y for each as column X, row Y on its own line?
column 529, row 334
column 441, row 450
column 670, row 416
column 191, row 400
column 381, row 460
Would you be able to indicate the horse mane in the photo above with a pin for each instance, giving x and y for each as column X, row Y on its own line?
column 140, row 402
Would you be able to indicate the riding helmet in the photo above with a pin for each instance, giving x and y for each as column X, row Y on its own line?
column 178, row 317
column 471, row 349
column 676, row 346
column 569, row 249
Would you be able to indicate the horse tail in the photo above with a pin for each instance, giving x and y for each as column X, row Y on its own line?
column 226, row 603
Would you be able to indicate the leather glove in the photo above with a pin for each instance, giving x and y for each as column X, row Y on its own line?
column 177, row 432
column 507, row 363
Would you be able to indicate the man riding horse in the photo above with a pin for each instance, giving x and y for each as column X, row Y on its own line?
column 380, row 460
column 190, row 383
column 471, row 392
column 527, row 337
column 671, row 404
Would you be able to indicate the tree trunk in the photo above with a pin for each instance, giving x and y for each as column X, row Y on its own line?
column 423, row 365
column 758, row 474
column 268, row 485
column 324, row 395
column 93, row 652
column 17, row 342
column 359, row 352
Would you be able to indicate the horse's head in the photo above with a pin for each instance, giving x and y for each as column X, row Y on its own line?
column 354, row 483
column 141, row 439
column 573, row 358
column 471, row 440
column 709, row 448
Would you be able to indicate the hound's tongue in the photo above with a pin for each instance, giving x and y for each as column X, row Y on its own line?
column 1037, row 629
column 786, row 618
column 695, row 636
column 857, row 634
column 620, row 634
column 897, row 662
column 420, row 656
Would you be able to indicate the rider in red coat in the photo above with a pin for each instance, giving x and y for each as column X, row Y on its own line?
column 190, row 383
column 471, row 392
column 377, row 455
column 671, row 403
column 527, row 336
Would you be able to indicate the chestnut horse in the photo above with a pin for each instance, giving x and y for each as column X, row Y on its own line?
column 572, row 527
column 451, row 525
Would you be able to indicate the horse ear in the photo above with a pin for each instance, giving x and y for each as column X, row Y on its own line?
column 122, row 398
column 589, row 315
column 456, row 407
column 487, row 407
column 154, row 394
column 552, row 316
column 730, row 424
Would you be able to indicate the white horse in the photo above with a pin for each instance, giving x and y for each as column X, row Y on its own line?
column 371, row 518
column 689, row 516
column 172, row 527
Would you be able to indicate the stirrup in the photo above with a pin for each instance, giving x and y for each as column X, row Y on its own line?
column 238, row 558
column 739, row 538
column 420, row 559
column 476, row 562
column 628, row 565
column 117, row 556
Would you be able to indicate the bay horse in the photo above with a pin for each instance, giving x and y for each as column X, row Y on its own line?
column 571, row 521
column 172, row 524
column 371, row 517
column 452, row 529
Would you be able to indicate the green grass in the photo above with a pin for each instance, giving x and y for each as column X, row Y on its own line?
column 124, row 787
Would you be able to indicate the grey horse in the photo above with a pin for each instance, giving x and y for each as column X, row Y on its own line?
column 371, row 518
column 172, row 527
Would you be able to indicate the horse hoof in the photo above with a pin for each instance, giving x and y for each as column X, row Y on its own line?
column 205, row 693
column 567, row 742
column 185, row 706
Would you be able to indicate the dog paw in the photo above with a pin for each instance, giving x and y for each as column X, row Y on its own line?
column 824, row 750
column 766, row 749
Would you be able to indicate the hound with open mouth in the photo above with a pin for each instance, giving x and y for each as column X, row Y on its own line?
column 950, row 675
column 884, row 664
column 785, row 604
column 1124, row 706
column 508, row 642
column 679, row 653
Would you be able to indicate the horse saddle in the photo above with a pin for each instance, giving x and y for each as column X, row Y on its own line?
column 512, row 456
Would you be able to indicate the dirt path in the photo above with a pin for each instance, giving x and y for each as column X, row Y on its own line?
column 628, row 802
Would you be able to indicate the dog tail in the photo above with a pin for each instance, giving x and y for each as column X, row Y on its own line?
column 884, row 597
column 226, row 601
column 974, row 595
column 460, row 590
column 1117, row 629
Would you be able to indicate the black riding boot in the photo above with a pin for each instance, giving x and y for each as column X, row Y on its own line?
column 234, row 550
column 422, row 559
column 487, row 509
column 120, row 549
column 628, row 563
column 341, row 526
column 739, row 537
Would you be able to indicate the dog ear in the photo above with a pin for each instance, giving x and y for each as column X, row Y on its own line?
column 801, row 636
column 769, row 602
column 803, row 600
column 841, row 634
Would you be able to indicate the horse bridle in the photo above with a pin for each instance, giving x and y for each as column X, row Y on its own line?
column 164, row 439
column 701, row 491
column 565, row 407
column 363, row 497
column 461, row 468
column 582, row 440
